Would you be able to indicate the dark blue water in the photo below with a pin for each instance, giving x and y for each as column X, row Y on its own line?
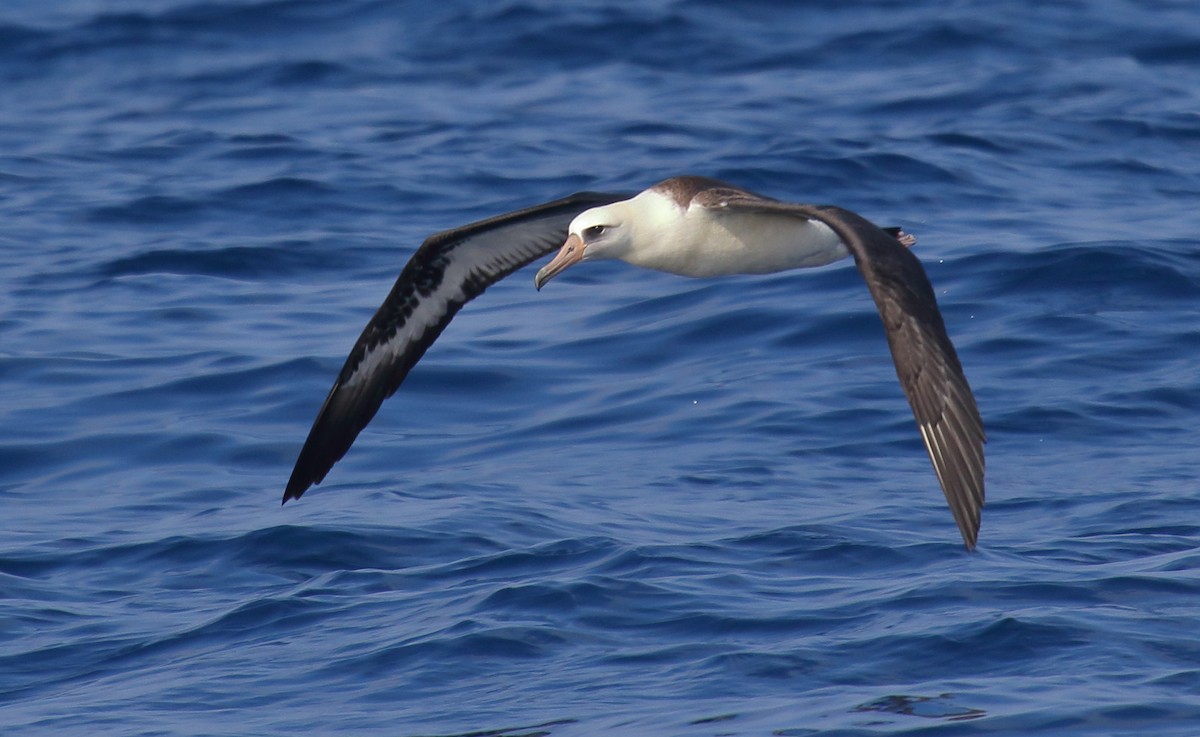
column 633, row 503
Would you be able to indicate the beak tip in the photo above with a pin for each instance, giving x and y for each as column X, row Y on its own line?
column 571, row 252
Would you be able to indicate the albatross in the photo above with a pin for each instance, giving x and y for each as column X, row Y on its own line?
column 688, row 225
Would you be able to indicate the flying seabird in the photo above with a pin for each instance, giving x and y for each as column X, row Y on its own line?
column 688, row 225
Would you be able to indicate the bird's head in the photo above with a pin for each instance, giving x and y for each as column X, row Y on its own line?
column 598, row 233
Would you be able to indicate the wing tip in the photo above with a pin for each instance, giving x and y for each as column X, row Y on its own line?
column 967, row 504
column 299, row 482
column 970, row 520
column 294, row 491
column 970, row 538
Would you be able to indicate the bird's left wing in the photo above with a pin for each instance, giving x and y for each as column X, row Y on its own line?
column 926, row 362
column 449, row 269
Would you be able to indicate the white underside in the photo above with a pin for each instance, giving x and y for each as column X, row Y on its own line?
column 701, row 242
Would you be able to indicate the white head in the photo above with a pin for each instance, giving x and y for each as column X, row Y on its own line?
column 599, row 233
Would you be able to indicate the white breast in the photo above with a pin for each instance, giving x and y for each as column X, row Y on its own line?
column 701, row 242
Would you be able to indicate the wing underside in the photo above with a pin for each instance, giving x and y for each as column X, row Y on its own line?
column 448, row 270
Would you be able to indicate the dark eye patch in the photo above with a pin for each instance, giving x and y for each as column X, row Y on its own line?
column 595, row 231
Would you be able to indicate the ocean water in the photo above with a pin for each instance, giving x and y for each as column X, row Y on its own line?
column 633, row 503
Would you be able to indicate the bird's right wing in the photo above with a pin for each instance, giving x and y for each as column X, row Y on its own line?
column 448, row 270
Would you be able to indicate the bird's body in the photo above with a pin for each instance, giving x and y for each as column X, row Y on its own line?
column 682, row 236
column 692, row 226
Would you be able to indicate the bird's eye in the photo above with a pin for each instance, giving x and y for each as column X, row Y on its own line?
column 595, row 231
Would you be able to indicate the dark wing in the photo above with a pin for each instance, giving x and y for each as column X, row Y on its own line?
column 447, row 271
column 925, row 359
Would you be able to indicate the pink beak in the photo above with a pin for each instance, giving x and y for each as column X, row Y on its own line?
column 570, row 253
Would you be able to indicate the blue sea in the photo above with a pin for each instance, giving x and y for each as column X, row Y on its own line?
column 633, row 503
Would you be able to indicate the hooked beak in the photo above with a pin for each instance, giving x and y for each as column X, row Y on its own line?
column 570, row 253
